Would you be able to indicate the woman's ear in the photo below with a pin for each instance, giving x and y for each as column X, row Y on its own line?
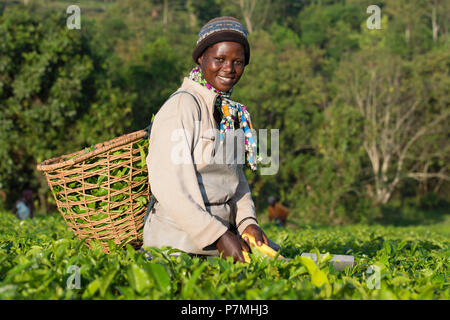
column 200, row 60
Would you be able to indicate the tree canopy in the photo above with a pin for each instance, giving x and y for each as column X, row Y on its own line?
column 363, row 115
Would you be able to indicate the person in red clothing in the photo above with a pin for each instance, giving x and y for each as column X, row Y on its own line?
column 277, row 212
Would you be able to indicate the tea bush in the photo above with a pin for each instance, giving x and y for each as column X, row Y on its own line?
column 41, row 258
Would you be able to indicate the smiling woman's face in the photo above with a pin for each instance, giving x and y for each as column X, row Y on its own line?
column 223, row 64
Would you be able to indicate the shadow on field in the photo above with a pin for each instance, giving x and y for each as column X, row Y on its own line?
column 341, row 240
column 371, row 247
column 409, row 216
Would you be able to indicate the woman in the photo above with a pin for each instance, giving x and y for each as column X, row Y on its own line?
column 204, row 205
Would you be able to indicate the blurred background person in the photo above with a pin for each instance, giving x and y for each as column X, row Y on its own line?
column 277, row 212
column 24, row 207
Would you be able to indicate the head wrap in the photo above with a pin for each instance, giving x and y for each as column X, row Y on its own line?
column 219, row 30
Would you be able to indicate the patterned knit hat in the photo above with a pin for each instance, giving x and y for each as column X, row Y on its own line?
column 218, row 30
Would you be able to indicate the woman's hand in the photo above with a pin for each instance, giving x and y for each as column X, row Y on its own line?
column 259, row 235
column 230, row 245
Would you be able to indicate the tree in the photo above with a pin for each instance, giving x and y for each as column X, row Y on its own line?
column 55, row 97
column 248, row 8
column 334, row 28
column 284, row 91
column 407, row 13
column 408, row 23
column 438, row 12
column 333, row 192
column 206, row 10
column 147, row 61
column 253, row 12
column 391, row 98
column 154, row 74
column 431, row 165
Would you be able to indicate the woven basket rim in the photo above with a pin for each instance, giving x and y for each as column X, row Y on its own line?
column 57, row 163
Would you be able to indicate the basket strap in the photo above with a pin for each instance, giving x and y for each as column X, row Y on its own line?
column 182, row 91
column 148, row 130
column 150, row 207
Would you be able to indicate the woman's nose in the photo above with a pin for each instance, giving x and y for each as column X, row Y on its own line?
column 228, row 67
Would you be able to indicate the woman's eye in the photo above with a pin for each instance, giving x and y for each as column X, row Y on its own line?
column 220, row 59
column 239, row 63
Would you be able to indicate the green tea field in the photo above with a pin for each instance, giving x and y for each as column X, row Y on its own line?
column 42, row 259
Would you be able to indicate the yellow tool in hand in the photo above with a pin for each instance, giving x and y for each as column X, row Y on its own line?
column 339, row 262
column 263, row 248
column 246, row 257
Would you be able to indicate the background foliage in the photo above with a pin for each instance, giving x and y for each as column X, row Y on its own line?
column 362, row 114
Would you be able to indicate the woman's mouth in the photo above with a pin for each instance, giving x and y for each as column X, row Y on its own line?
column 226, row 80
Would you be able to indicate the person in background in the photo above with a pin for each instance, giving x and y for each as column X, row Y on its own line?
column 277, row 212
column 24, row 207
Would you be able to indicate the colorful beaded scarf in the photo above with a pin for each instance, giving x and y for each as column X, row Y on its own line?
column 230, row 109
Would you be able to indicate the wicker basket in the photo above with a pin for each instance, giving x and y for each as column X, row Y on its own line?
column 104, row 210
